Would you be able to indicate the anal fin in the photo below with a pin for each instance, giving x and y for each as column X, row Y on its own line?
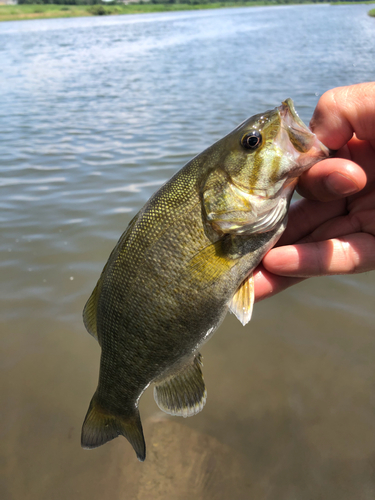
column 243, row 300
column 184, row 393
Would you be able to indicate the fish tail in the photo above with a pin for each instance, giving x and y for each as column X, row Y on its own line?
column 101, row 426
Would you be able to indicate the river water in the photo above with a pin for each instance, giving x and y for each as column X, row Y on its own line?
column 95, row 114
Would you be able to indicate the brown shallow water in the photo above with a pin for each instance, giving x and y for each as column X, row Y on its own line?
column 290, row 408
column 95, row 115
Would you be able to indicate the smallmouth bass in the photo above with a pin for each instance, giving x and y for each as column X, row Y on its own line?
column 186, row 259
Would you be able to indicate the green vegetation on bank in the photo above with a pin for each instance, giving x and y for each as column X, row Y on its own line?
column 371, row 12
column 42, row 9
column 350, row 2
column 47, row 11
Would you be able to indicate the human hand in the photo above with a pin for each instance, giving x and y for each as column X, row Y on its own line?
column 331, row 230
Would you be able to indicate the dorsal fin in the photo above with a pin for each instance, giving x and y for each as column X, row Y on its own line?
column 89, row 312
column 184, row 393
column 243, row 300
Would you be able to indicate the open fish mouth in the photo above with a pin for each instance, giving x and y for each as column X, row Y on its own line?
column 293, row 123
column 289, row 115
column 299, row 135
column 295, row 138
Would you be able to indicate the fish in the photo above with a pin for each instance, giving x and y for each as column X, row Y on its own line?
column 185, row 260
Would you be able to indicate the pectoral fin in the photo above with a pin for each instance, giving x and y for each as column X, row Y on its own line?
column 209, row 264
column 243, row 300
column 183, row 394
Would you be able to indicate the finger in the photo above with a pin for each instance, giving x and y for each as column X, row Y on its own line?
column 362, row 221
column 332, row 179
column 362, row 153
column 354, row 253
column 267, row 284
column 342, row 111
column 363, row 203
column 307, row 215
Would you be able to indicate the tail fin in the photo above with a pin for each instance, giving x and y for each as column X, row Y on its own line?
column 101, row 425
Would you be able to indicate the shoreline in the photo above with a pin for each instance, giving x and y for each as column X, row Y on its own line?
column 25, row 12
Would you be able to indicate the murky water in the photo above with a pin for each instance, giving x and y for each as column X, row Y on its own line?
column 95, row 114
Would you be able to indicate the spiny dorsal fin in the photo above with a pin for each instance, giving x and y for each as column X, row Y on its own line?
column 243, row 300
column 101, row 426
column 183, row 394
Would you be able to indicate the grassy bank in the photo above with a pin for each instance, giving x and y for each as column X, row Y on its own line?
column 352, row 3
column 20, row 12
column 49, row 11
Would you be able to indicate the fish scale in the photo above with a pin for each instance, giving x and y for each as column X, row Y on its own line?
column 185, row 259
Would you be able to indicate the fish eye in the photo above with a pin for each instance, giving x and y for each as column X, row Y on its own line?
column 252, row 140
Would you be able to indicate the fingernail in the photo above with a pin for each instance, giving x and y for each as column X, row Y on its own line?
column 340, row 184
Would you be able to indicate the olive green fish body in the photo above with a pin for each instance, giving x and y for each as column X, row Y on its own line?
column 184, row 260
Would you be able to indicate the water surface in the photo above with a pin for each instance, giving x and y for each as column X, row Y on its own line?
column 95, row 114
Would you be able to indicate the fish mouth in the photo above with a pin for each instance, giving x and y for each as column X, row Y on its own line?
column 288, row 114
column 299, row 135
column 296, row 138
column 290, row 118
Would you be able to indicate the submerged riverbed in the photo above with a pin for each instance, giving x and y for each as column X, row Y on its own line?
column 96, row 113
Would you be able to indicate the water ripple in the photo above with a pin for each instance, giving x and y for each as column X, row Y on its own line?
column 135, row 188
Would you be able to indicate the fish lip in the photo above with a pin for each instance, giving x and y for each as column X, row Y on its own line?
column 287, row 108
column 291, row 121
column 290, row 118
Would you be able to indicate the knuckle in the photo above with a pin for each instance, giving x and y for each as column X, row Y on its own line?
column 328, row 101
column 321, row 261
column 350, row 257
column 355, row 222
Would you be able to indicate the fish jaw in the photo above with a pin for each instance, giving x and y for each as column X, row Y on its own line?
column 297, row 141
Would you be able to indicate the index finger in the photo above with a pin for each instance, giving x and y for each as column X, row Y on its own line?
column 343, row 111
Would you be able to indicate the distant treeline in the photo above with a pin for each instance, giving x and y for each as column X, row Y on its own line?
column 60, row 2
column 249, row 2
column 189, row 2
